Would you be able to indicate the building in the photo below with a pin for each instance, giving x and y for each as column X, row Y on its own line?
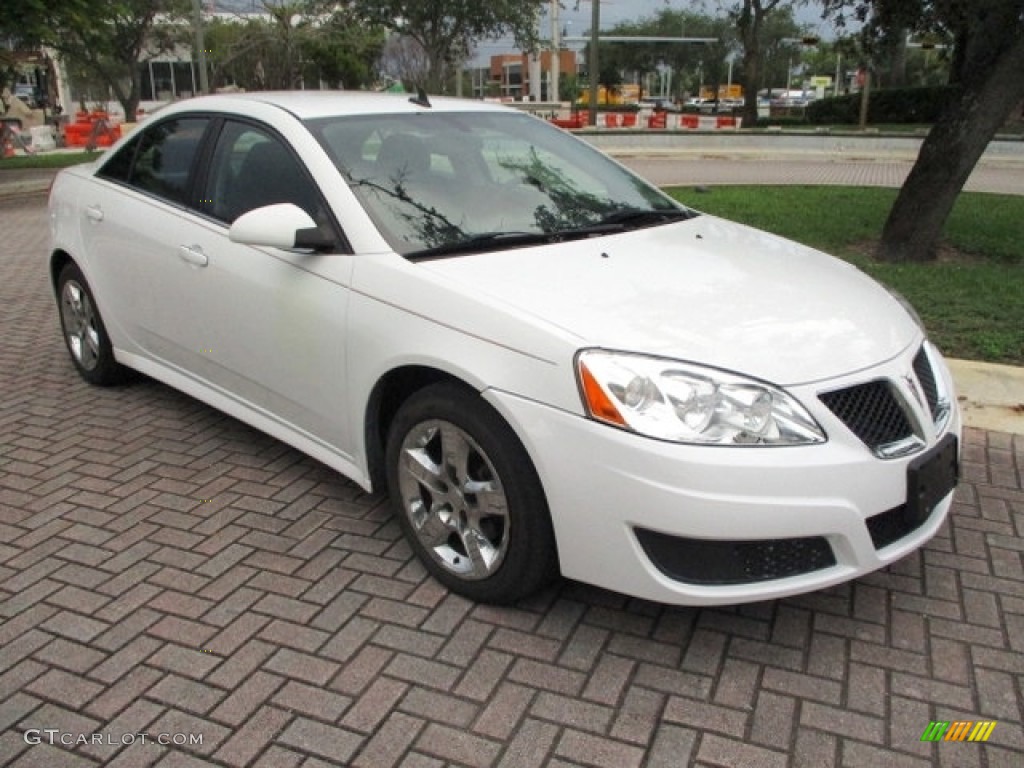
column 510, row 75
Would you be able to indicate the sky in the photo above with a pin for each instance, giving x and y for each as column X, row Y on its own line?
column 577, row 22
column 614, row 11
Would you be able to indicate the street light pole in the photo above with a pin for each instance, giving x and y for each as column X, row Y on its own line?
column 595, row 24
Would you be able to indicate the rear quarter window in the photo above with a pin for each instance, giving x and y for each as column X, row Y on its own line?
column 160, row 160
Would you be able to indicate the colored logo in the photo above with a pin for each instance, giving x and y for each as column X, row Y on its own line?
column 958, row 730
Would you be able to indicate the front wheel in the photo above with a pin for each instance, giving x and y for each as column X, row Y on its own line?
column 468, row 497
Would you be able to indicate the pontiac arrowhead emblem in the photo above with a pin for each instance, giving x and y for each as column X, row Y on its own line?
column 912, row 386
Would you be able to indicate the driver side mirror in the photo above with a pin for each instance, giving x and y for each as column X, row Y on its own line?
column 282, row 225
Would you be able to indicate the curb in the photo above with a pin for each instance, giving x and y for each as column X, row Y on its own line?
column 23, row 190
column 991, row 396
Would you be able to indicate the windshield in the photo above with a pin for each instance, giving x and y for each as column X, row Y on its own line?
column 450, row 182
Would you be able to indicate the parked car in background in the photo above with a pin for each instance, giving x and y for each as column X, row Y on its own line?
column 661, row 105
column 547, row 363
column 715, row 106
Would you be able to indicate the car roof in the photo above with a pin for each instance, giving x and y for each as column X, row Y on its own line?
column 313, row 104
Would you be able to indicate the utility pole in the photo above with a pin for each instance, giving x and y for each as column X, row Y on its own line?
column 556, row 50
column 197, row 27
column 595, row 25
column 535, row 70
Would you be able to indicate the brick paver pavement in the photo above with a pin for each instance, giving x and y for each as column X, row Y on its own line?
column 167, row 570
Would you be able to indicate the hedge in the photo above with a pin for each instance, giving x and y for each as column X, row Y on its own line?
column 889, row 105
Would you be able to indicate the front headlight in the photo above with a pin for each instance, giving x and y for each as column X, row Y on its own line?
column 687, row 403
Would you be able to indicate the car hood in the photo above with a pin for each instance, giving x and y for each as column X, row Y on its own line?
column 704, row 290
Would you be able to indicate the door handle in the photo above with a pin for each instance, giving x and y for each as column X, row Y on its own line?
column 193, row 254
column 94, row 212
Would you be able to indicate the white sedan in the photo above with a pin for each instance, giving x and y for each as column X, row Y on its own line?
column 548, row 364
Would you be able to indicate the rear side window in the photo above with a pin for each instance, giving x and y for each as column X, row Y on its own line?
column 119, row 167
column 159, row 161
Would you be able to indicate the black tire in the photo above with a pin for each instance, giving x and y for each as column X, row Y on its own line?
column 84, row 334
column 495, row 502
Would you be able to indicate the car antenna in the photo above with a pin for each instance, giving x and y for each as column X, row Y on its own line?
column 420, row 99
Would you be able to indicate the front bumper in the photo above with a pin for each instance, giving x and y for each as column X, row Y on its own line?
column 612, row 492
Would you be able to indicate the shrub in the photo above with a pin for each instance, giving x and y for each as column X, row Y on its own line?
column 887, row 105
column 781, row 122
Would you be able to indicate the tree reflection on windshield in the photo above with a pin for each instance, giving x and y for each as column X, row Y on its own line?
column 431, row 226
column 569, row 207
column 434, row 180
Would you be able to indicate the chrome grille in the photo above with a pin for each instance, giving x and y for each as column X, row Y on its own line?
column 926, row 378
column 872, row 412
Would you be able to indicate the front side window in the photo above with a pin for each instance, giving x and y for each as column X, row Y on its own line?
column 251, row 168
column 164, row 157
column 438, row 181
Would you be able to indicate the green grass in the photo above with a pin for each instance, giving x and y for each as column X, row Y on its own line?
column 971, row 300
column 48, row 160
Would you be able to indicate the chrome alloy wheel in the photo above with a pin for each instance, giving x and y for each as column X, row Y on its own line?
column 79, row 320
column 454, row 499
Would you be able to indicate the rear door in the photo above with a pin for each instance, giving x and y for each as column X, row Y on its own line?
column 134, row 217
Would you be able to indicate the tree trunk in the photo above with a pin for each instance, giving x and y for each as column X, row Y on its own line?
column 750, row 16
column 130, row 103
column 751, row 73
column 748, row 24
column 436, row 73
column 991, row 86
column 897, row 45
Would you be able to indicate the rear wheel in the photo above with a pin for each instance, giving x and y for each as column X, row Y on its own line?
column 84, row 333
column 468, row 497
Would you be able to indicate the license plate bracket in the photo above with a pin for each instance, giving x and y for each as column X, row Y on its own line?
column 930, row 478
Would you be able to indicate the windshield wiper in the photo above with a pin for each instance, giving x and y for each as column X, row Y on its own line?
column 628, row 219
column 619, row 221
column 644, row 216
column 486, row 241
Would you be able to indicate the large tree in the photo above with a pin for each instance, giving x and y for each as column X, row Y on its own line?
column 446, row 30
column 345, row 51
column 987, row 68
column 688, row 61
column 106, row 38
column 750, row 17
column 291, row 45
